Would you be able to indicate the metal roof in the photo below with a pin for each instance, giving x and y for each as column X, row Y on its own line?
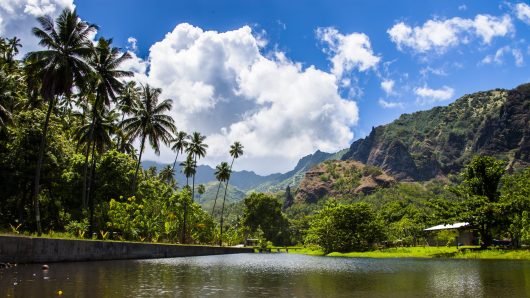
column 448, row 227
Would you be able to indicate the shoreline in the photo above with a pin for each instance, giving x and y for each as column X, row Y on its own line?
column 428, row 253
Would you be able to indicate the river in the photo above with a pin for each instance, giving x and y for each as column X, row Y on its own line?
column 270, row 275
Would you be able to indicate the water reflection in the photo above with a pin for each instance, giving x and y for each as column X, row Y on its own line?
column 273, row 275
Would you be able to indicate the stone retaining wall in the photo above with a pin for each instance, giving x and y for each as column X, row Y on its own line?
column 14, row 249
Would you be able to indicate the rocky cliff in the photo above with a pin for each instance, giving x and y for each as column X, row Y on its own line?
column 437, row 142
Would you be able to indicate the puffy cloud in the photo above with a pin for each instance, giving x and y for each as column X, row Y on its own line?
column 388, row 86
column 440, row 35
column 462, row 7
column 498, row 57
column 132, row 44
column 522, row 11
column 224, row 87
column 348, row 52
column 390, row 105
column 429, row 95
column 18, row 17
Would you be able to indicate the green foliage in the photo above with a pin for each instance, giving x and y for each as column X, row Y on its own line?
column 343, row 228
column 264, row 212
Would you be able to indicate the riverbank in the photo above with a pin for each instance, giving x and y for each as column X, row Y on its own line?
column 18, row 249
column 427, row 252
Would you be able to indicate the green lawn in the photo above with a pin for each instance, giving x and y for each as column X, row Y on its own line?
column 428, row 252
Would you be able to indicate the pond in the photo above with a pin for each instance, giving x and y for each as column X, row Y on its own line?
column 271, row 275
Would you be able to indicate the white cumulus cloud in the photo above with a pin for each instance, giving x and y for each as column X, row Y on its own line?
column 224, row 87
column 18, row 17
column 439, row 35
column 348, row 52
column 522, row 11
column 498, row 57
column 388, row 86
column 428, row 95
column 390, row 105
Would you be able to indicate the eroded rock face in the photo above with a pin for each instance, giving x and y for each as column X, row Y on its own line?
column 339, row 179
column 437, row 142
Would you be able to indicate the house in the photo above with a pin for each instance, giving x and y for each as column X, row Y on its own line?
column 466, row 235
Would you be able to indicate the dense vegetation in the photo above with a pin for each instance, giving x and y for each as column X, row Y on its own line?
column 68, row 120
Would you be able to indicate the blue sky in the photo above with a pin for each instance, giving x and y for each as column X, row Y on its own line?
column 384, row 58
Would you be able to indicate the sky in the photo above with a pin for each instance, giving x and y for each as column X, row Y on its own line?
column 286, row 78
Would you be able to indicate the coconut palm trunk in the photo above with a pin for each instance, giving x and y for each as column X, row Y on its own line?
column 90, row 192
column 216, row 195
column 84, row 196
column 138, row 165
column 39, row 166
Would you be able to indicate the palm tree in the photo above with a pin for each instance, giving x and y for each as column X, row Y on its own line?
column 98, row 132
column 105, row 61
column 127, row 99
column 166, row 174
column 236, row 150
column 201, row 189
column 196, row 148
column 59, row 68
column 188, row 168
column 179, row 144
column 222, row 173
column 148, row 121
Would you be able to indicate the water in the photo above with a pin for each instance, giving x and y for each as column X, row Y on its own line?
column 271, row 275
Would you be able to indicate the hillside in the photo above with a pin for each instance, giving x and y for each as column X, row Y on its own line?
column 246, row 181
column 437, row 142
column 336, row 178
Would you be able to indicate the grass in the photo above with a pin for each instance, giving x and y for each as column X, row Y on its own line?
column 429, row 252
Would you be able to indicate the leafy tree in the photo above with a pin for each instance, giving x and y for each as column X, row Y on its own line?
column 59, row 68
column 148, row 121
column 480, row 190
column 515, row 205
column 344, row 228
column 262, row 211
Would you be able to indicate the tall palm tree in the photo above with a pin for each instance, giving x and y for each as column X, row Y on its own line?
column 222, row 173
column 127, row 99
column 188, row 168
column 99, row 133
column 61, row 66
column 105, row 61
column 236, row 150
column 180, row 144
column 197, row 149
column 149, row 121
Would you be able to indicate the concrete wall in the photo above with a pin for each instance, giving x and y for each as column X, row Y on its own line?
column 14, row 249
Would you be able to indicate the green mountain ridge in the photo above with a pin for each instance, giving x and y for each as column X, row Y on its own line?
column 438, row 142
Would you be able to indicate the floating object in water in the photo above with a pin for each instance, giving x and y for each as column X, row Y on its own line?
column 45, row 267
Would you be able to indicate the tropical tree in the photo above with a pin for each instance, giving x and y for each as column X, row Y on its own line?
column 99, row 133
column 188, row 168
column 149, row 121
column 105, row 61
column 197, row 149
column 236, row 150
column 222, row 173
column 166, row 174
column 201, row 189
column 127, row 99
column 60, row 67
column 180, row 144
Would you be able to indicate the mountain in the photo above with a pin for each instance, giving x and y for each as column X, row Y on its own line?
column 338, row 178
column 438, row 142
column 243, row 180
column 246, row 181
